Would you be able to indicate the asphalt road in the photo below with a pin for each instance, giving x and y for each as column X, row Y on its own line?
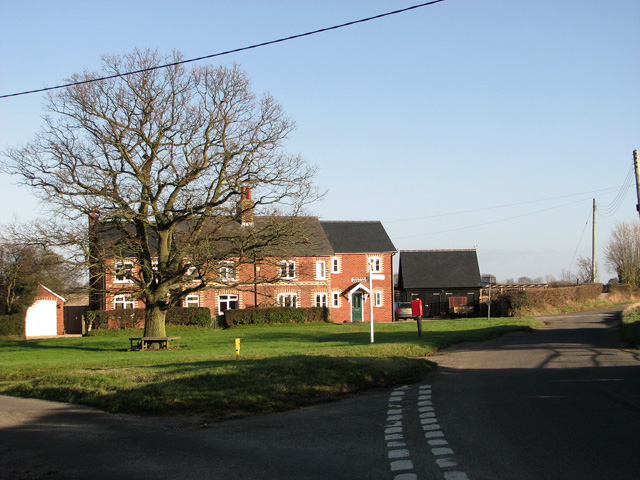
column 558, row 403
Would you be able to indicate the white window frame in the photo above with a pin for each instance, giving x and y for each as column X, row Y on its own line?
column 335, row 264
column 228, row 272
column 190, row 269
column 154, row 270
column 123, row 300
column 126, row 267
column 377, row 298
column 227, row 299
column 192, row 301
column 321, row 270
column 288, row 300
column 321, row 299
column 375, row 264
column 288, row 269
column 335, row 299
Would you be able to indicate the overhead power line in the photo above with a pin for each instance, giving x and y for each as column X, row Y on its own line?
column 626, row 185
column 490, row 222
column 611, row 208
column 236, row 50
column 579, row 241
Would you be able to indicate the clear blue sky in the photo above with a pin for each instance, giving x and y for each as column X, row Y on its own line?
column 491, row 123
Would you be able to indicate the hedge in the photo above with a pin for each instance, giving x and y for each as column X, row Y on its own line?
column 12, row 324
column 134, row 318
column 198, row 316
column 523, row 301
column 262, row 316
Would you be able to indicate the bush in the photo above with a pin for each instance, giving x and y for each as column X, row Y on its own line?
column 12, row 324
column 262, row 316
column 198, row 316
column 134, row 318
column 623, row 290
column 524, row 302
column 96, row 320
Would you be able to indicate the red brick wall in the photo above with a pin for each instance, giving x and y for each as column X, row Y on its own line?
column 352, row 266
column 305, row 286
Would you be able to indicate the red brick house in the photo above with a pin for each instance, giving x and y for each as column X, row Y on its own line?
column 360, row 271
column 345, row 266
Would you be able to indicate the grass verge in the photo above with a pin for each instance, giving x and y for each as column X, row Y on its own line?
column 630, row 327
column 281, row 367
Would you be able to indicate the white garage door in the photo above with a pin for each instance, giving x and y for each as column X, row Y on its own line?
column 41, row 319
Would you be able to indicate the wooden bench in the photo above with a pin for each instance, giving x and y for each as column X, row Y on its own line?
column 164, row 343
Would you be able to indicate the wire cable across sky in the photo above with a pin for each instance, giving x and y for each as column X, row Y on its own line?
column 236, row 50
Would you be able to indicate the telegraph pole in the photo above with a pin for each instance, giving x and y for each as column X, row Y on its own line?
column 593, row 244
column 637, row 169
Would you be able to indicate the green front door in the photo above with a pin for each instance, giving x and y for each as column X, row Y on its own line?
column 356, row 307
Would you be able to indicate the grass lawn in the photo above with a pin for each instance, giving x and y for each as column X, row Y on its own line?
column 281, row 367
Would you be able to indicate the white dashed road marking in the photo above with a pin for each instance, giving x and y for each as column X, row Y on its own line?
column 400, row 457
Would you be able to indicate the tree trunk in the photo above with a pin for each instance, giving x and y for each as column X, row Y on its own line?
column 154, row 323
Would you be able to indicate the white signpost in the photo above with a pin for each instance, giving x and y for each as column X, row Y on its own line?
column 370, row 279
column 371, row 302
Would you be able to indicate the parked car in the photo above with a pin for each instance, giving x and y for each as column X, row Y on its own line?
column 402, row 310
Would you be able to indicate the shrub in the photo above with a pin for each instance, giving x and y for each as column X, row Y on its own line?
column 134, row 318
column 95, row 320
column 198, row 316
column 262, row 316
column 114, row 319
column 12, row 324
column 623, row 291
column 523, row 302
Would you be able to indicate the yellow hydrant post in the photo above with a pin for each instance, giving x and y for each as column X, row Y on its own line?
column 237, row 349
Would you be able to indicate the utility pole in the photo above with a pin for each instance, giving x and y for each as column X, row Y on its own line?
column 593, row 245
column 637, row 169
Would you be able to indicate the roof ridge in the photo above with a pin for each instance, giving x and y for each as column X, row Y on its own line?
column 350, row 221
column 443, row 250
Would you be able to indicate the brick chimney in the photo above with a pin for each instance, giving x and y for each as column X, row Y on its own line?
column 245, row 207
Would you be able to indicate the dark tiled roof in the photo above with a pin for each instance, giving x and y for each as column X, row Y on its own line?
column 309, row 239
column 439, row 269
column 358, row 237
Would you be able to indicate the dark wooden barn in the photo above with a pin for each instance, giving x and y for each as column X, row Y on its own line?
column 447, row 281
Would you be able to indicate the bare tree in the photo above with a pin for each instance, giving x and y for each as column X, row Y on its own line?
column 568, row 277
column 23, row 266
column 622, row 253
column 584, row 266
column 162, row 157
